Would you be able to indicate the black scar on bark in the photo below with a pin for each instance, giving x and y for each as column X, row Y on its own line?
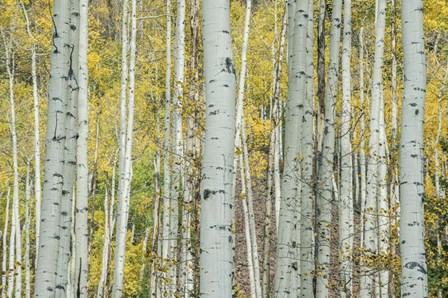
column 229, row 65
column 208, row 192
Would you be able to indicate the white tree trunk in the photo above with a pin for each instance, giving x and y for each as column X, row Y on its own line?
column 117, row 291
column 325, row 194
column 346, row 212
column 374, row 162
column 216, row 260
column 307, row 148
column 105, row 254
column 166, row 160
column 54, row 156
column 414, row 282
column 5, row 244
column 27, row 232
column 82, row 193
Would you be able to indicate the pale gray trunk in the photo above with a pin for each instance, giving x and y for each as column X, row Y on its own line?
column 414, row 282
column 326, row 159
column 217, row 214
column 370, row 241
column 166, row 160
column 346, row 212
column 117, row 291
column 105, row 254
column 45, row 282
column 5, row 244
column 307, row 148
column 27, row 232
column 156, row 221
column 69, row 171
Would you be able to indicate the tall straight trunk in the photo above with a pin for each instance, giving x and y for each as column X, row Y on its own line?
column 54, row 155
column 5, row 244
column 14, row 263
column 307, row 148
column 105, row 255
column 82, row 191
column 178, row 150
column 240, row 141
column 362, row 155
column 346, row 212
column 155, row 233
column 166, row 160
column 325, row 194
column 217, row 212
column 117, row 291
column 320, row 78
column 288, row 265
column 71, row 132
column 414, row 282
column 374, row 161
column 37, row 180
column 273, row 183
column 11, row 259
column 27, row 232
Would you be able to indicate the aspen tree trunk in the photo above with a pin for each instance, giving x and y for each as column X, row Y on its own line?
column 240, row 141
column 383, row 206
column 413, row 261
column 346, row 212
column 121, row 233
column 374, row 162
column 14, row 263
column 27, row 232
column 166, row 161
column 325, row 173
column 307, row 149
column 12, row 247
column 247, row 230
column 5, row 244
column 69, row 171
column 54, row 156
column 287, row 267
column 178, row 151
column 82, row 192
column 362, row 155
column 273, row 183
column 37, row 180
column 216, row 260
column 155, row 233
column 320, row 79
column 105, row 254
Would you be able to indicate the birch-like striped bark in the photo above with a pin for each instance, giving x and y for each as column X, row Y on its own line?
column 414, row 282
column 16, row 260
column 69, row 171
column 307, row 148
column 82, row 192
column 54, row 155
column 178, row 151
column 11, row 258
column 240, row 142
column 105, row 254
column 217, row 214
column 374, row 161
column 5, row 244
column 273, row 182
column 117, row 291
column 287, row 278
column 37, row 180
column 156, row 221
column 166, row 160
column 325, row 195
column 346, row 212
column 362, row 155
column 27, row 232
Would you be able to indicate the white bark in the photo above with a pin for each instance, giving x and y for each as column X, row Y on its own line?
column 105, row 254
column 54, row 156
column 307, row 148
column 216, row 259
column 413, row 257
column 81, row 225
column 5, row 244
column 346, row 212
column 166, row 160
column 121, row 233
column 27, row 232
column 325, row 171
column 374, row 162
